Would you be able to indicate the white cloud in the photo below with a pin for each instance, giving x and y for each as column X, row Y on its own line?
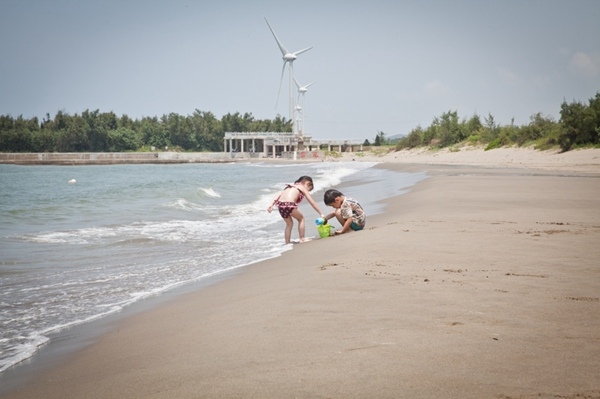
column 585, row 64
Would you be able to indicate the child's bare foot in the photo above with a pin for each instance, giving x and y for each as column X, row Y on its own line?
column 305, row 240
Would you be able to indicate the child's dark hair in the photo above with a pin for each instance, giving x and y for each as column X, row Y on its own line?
column 302, row 179
column 331, row 195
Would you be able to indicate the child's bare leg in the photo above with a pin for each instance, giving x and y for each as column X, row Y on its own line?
column 338, row 216
column 301, row 229
column 289, row 223
column 301, row 225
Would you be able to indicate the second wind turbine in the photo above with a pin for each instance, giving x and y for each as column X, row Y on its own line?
column 288, row 58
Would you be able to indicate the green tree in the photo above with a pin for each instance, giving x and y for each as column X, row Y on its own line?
column 14, row 140
column 379, row 139
column 430, row 134
column 236, row 122
column 449, row 131
column 126, row 122
column 124, row 139
column 579, row 125
column 43, row 141
column 60, row 121
column 280, row 124
column 540, row 128
column 153, row 133
column 473, row 125
column 489, row 131
column 73, row 138
column 414, row 139
column 209, row 133
column 96, row 130
column 6, row 123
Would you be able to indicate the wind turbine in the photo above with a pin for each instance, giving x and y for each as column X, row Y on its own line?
column 288, row 58
column 298, row 119
column 301, row 92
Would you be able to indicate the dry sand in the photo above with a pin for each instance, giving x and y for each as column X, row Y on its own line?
column 585, row 161
column 482, row 282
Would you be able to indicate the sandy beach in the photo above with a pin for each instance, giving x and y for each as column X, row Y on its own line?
column 482, row 282
column 584, row 161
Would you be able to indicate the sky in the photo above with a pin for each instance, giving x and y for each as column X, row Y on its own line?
column 377, row 66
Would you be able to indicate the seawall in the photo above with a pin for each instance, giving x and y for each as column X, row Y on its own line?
column 110, row 158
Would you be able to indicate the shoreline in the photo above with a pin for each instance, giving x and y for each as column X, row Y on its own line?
column 462, row 287
column 579, row 160
column 66, row 340
column 66, row 343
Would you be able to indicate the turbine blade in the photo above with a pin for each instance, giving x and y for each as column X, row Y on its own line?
column 307, row 86
column 281, row 47
column 297, row 84
column 280, row 82
column 302, row 51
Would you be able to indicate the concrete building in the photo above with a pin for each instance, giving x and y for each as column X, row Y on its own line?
column 283, row 144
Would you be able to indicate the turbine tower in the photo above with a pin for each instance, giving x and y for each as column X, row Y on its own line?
column 288, row 58
column 301, row 92
column 298, row 119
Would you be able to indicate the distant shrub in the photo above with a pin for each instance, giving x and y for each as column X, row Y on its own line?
column 333, row 154
column 414, row 139
column 381, row 151
column 496, row 143
column 474, row 139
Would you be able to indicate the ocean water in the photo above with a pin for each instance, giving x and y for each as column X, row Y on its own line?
column 73, row 252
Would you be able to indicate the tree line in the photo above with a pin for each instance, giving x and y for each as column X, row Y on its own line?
column 579, row 126
column 95, row 131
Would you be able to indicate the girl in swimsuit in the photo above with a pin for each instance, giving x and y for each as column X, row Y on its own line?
column 287, row 202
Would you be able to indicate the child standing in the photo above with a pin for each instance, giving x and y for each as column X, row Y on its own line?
column 348, row 211
column 287, row 202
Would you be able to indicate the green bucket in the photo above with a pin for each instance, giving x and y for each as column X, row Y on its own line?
column 324, row 230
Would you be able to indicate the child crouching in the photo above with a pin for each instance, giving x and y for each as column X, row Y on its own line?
column 347, row 211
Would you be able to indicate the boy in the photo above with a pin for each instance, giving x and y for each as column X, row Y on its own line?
column 347, row 211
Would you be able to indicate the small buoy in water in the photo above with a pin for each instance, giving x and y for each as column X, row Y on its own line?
column 72, row 181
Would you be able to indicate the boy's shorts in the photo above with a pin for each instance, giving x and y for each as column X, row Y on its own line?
column 355, row 227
